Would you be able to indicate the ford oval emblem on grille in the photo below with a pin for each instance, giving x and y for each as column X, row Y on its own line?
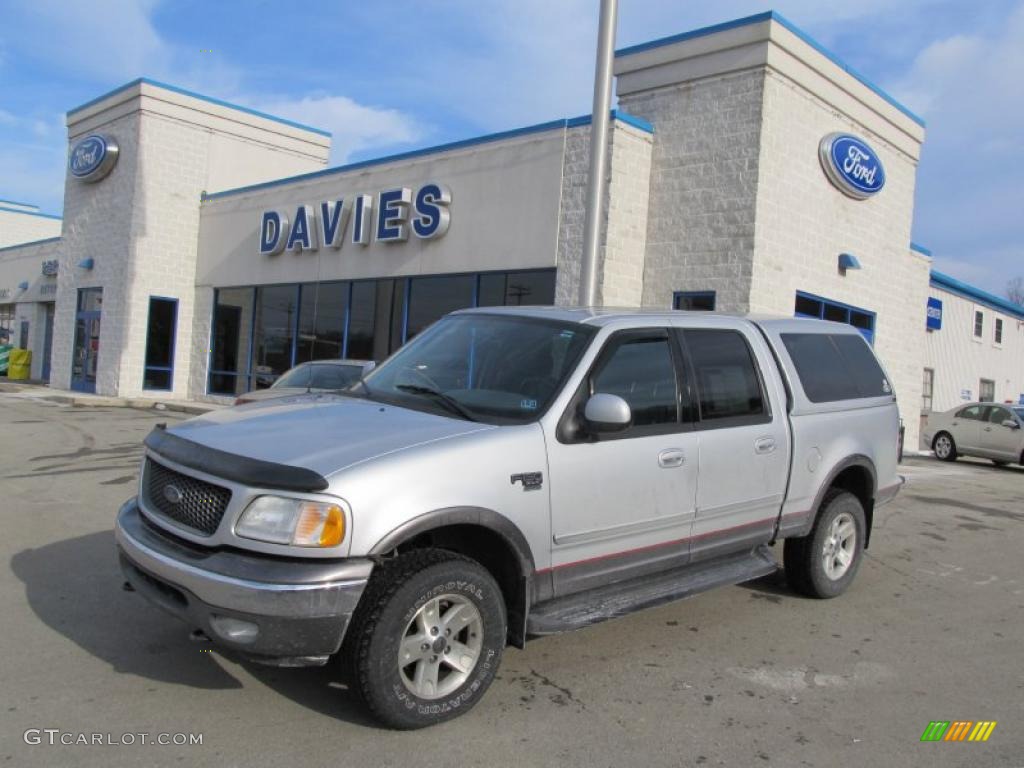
column 173, row 494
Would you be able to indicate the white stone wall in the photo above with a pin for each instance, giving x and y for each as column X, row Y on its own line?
column 703, row 190
column 98, row 224
column 623, row 232
column 960, row 360
column 803, row 223
column 25, row 226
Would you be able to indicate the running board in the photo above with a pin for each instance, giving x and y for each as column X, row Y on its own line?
column 608, row 602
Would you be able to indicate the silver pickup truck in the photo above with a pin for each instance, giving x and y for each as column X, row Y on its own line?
column 513, row 473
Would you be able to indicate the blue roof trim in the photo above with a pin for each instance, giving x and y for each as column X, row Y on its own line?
column 30, row 213
column 30, row 242
column 194, row 95
column 15, row 202
column 953, row 285
column 920, row 249
column 783, row 21
column 551, row 125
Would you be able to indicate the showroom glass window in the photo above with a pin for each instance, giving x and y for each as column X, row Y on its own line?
column 431, row 298
column 322, row 309
column 231, row 337
column 160, row 333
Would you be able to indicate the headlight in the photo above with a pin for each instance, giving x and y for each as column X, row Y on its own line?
column 300, row 522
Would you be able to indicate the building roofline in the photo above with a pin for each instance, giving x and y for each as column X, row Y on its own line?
column 30, row 242
column 551, row 125
column 920, row 249
column 37, row 212
column 194, row 95
column 787, row 24
column 33, row 206
column 951, row 284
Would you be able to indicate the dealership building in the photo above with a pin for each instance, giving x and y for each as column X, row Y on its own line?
column 205, row 248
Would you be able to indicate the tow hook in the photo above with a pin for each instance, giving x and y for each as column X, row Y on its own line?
column 198, row 636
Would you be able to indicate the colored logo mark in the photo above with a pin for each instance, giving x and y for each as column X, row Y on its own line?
column 958, row 730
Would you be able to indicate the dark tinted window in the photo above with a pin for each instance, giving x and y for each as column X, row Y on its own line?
column 727, row 381
column 163, row 315
column 864, row 368
column 276, row 306
column 835, row 367
column 321, row 321
column 698, row 301
column 641, row 372
column 431, row 298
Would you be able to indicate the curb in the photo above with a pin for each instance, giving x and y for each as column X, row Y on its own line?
column 141, row 405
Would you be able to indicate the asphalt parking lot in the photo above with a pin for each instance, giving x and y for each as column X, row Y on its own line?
column 743, row 676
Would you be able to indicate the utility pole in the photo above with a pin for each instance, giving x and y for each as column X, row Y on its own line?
column 598, row 151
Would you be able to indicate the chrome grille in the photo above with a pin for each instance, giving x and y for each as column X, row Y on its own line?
column 186, row 500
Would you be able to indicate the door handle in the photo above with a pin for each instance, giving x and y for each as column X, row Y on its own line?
column 671, row 457
column 764, row 445
column 988, row 429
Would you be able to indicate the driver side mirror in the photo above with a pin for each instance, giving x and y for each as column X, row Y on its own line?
column 1011, row 424
column 607, row 413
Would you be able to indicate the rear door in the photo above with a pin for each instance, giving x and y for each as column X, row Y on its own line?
column 996, row 440
column 742, row 436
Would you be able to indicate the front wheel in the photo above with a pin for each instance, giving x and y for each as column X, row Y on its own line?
column 427, row 638
column 944, row 447
column 823, row 563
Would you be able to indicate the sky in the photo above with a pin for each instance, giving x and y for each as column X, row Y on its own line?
column 430, row 71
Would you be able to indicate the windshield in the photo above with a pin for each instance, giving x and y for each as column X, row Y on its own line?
column 500, row 369
column 324, row 376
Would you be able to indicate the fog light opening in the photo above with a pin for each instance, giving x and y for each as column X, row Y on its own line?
column 235, row 630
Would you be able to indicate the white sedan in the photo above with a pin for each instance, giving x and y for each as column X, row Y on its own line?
column 988, row 430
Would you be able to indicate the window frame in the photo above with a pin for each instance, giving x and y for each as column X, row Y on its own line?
column 982, row 409
column 169, row 370
column 978, row 331
column 678, row 295
column 824, row 304
column 981, row 388
column 767, row 415
column 997, row 332
column 572, row 429
column 930, row 395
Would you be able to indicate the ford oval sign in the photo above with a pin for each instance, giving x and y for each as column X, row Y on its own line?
column 851, row 165
column 93, row 157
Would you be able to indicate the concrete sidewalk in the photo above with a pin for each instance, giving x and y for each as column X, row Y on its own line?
column 35, row 390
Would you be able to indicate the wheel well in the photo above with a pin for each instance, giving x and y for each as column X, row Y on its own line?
column 494, row 553
column 859, row 481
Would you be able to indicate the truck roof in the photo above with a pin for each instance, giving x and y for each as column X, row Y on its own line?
column 601, row 316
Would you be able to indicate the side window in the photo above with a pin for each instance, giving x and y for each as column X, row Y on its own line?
column 641, row 371
column 999, row 415
column 835, row 367
column 972, row 412
column 728, row 386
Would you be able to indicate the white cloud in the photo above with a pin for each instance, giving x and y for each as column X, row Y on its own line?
column 354, row 126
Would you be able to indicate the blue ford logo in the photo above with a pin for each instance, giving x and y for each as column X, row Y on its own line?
column 851, row 165
column 93, row 157
column 173, row 494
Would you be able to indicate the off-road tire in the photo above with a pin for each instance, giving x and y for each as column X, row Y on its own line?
column 803, row 557
column 397, row 590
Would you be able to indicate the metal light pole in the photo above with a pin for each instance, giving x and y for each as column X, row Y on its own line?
column 598, row 150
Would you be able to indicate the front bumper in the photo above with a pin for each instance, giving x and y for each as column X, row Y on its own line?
column 284, row 611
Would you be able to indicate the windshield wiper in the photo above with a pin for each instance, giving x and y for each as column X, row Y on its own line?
column 453, row 405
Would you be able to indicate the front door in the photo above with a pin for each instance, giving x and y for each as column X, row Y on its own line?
column 85, row 355
column 623, row 502
column 966, row 427
column 998, row 441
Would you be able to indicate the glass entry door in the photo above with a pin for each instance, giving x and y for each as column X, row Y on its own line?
column 87, row 340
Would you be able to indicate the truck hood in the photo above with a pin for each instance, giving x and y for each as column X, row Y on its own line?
column 322, row 432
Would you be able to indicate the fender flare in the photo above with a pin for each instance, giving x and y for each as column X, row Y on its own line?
column 856, row 460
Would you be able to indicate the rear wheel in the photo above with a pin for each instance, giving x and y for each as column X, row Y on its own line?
column 944, row 447
column 427, row 638
column 824, row 563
